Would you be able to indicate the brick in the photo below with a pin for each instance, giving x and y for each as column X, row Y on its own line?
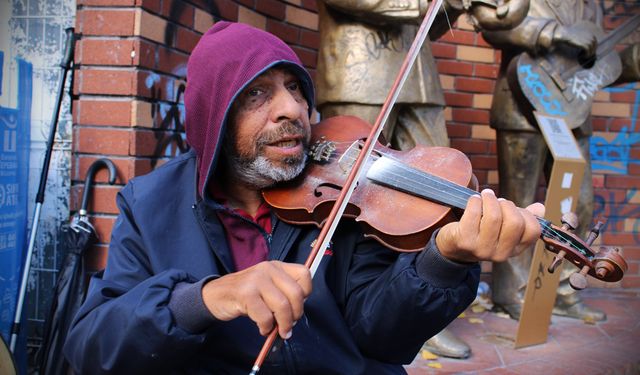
column 458, row 131
column 458, row 36
column 455, row 67
column 106, row 22
column 82, row 163
column 149, row 26
column 179, row 11
column 463, row 24
column 101, row 141
column 627, row 182
column 294, row 2
column 145, row 54
column 486, row 70
column 154, row 6
column 102, row 112
column 611, row 109
column 142, row 114
column 477, row 54
column 103, row 226
column 272, row 8
column 626, row 97
column 251, row 17
column 447, row 82
column 456, row 99
column 109, row 3
column 443, row 51
column 227, row 10
column 103, row 198
column 482, row 101
column 482, row 132
column 301, row 17
column 106, row 82
column 203, row 21
column 284, row 31
column 308, row 57
column 310, row 4
column 493, row 178
column 471, row 115
column 116, row 52
column 469, row 146
column 631, row 282
column 601, row 96
column 170, row 61
column 186, row 39
column 310, row 38
column 474, row 85
column 484, row 162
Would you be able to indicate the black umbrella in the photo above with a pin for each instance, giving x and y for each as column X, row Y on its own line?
column 70, row 287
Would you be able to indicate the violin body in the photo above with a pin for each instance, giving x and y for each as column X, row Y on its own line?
column 399, row 220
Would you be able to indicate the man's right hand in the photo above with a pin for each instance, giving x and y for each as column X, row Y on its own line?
column 578, row 36
column 268, row 293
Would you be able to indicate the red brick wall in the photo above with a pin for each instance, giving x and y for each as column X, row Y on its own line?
column 131, row 60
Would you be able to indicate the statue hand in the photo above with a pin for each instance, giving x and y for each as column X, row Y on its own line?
column 490, row 229
column 577, row 36
column 499, row 15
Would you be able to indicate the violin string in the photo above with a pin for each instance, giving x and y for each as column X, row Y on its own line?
column 462, row 196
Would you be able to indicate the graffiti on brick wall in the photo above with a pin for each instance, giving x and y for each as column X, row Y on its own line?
column 168, row 116
column 177, row 8
column 618, row 212
column 615, row 155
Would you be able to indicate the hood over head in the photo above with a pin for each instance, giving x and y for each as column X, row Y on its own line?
column 226, row 59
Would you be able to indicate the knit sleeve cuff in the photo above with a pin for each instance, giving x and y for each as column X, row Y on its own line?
column 188, row 308
column 439, row 271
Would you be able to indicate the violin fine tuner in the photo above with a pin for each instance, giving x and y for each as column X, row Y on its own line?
column 606, row 264
column 322, row 150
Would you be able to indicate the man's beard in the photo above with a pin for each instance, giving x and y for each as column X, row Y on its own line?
column 260, row 172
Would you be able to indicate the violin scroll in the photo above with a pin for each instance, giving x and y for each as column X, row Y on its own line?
column 606, row 264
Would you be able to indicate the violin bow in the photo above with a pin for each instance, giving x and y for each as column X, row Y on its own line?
column 331, row 224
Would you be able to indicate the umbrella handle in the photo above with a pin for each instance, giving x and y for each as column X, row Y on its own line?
column 88, row 181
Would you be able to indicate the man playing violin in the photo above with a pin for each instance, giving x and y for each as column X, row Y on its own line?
column 199, row 270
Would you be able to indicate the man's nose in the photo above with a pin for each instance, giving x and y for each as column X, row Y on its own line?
column 285, row 106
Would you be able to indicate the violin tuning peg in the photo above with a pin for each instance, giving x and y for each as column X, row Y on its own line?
column 557, row 260
column 569, row 221
column 578, row 280
column 595, row 232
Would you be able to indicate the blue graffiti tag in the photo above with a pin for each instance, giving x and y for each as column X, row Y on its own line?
column 532, row 80
column 617, row 212
column 615, row 156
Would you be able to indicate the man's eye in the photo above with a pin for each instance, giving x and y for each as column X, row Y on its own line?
column 294, row 86
column 254, row 91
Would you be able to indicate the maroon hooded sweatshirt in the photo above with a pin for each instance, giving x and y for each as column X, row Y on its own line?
column 210, row 92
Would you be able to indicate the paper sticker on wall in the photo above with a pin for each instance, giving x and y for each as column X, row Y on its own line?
column 565, row 205
column 566, row 180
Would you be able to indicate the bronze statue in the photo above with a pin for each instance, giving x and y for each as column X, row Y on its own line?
column 362, row 46
column 564, row 34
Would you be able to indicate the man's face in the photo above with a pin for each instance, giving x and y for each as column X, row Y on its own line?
column 269, row 130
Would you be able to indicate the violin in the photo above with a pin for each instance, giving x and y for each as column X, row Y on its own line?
column 403, row 196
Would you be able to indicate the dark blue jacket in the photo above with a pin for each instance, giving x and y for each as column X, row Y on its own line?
column 370, row 310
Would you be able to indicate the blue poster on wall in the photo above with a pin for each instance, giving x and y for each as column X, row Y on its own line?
column 15, row 125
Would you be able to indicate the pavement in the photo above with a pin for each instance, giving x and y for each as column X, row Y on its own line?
column 573, row 346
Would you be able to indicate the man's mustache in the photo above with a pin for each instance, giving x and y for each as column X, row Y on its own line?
column 286, row 129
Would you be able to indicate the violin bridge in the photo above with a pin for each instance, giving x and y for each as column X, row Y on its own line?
column 350, row 155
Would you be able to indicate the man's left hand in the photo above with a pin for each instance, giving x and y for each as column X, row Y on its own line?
column 491, row 229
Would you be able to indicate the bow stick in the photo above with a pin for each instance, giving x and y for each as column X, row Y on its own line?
column 326, row 233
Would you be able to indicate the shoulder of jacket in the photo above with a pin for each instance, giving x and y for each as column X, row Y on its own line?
column 172, row 177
